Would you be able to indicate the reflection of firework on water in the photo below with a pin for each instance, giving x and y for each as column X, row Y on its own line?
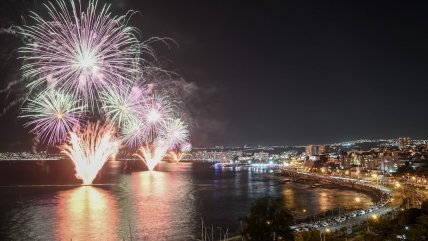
column 175, row 133
column 80, row 51
column 122, row 106
column 53, row 114
column 90, row 148
column 152, row 154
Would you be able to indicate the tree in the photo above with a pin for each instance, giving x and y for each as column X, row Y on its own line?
column 410, row 216
column 268, row 220
column 424, row 207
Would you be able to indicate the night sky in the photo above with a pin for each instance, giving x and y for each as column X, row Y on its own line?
column 279, row 72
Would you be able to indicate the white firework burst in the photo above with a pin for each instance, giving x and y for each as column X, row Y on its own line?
column 80, row 50
column 122, row 106
column 52, row 115
column 175, row 133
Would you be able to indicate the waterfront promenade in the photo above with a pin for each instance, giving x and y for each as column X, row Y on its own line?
column 383, row 195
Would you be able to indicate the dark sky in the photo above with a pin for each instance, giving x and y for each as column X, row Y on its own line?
column 293, row 72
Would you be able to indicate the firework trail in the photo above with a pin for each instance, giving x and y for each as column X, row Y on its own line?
column 152, row 154
column 10, row 86
column 52, row 115
column 90, row 148
column 80, row 51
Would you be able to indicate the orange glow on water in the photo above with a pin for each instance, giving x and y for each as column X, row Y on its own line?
column 87, row 213
column 150, row 191
column 161, row 200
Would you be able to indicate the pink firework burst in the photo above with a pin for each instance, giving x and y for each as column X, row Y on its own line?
column 80, row 50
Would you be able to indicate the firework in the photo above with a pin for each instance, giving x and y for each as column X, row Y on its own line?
column 177, row 156
column 53, row 114
column 175, row 133
column 82, row 61
column 156, row 112
column 134, row 133
column 90, row 148
column 80, row 50
column 186, row 147
column 180, row 152
column 152, row 154
column 122, row 106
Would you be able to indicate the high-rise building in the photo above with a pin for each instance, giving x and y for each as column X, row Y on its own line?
column 404, row 142
column 314, row 150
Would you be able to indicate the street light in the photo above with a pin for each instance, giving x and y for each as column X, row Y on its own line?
column 323, row 234
column 374, row 217
column 398, row 185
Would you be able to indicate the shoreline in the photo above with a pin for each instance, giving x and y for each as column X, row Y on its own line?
column 381, row 192
column 374, row 191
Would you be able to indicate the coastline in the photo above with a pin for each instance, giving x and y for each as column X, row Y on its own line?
column 383, row 193
column 327, row 182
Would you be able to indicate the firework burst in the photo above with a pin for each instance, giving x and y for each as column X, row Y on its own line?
column 85, row 63
column 177, row 156
column 90, row 148
column 156, row 112
column 152, row 154
column 186, row 147
column 80, row 51
column 53, row 114
column 122, row 107
column 134, row 133
column 175, row 133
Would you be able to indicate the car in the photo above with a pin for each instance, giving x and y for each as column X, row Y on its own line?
column 361, row 212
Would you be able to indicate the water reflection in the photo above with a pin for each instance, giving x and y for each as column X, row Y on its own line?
column 162, row 206
column 320, row 200
column 87, row 213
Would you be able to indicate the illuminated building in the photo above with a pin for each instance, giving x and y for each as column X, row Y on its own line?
column 314, row 150
column 404, row 142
